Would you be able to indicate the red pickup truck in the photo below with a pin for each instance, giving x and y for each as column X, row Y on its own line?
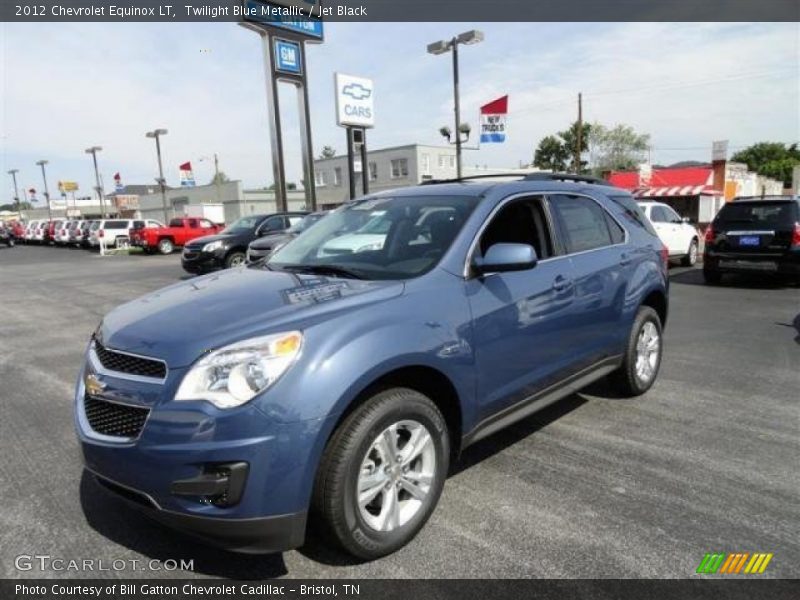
column 179, row 233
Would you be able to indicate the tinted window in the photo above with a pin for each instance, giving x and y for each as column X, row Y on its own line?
column 176, row 223
column 244, row 224
column 759, row 214
column 617, row 232
column 633, row 212
column 658, row 215
column 116, row 225
column 672, row 216
column 583, row 223
column 138, row 225
column 273, row 224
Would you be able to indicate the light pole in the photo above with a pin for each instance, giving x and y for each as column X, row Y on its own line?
column 93, row 151
column 157, row 133
column 216, row 174
column 42, row 163
column 13, row 173
column 467, row 38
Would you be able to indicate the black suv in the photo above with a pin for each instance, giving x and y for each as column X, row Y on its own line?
column 754, row 235
column 227, row 248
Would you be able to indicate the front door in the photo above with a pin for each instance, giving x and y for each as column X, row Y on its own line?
column 521, row 319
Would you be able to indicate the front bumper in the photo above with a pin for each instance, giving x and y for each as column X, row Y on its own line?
column 180, row 442
column 197, row 261
column 258, row 535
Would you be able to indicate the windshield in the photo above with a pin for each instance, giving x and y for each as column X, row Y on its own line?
column 307, row 222
column 408, row 236
column 244, row 224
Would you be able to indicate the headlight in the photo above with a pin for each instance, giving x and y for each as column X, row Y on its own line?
column 234, row 374
column 211, row 246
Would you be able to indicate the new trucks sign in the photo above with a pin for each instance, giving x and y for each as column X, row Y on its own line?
column 354, row 101
column 493, row 121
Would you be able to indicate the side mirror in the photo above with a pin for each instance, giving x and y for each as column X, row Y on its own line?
column 501, row 258
column 685, row 220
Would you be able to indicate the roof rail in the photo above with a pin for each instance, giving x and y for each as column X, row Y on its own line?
column 533, row 176
column 544, row 176
column 766, row 197
column 473, row 177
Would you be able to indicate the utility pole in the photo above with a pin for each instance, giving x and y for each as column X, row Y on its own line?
column 13, row 173
column 100, row 195
column 157, row 133
column 42, row 163
column 579, row 145
column 457, row 107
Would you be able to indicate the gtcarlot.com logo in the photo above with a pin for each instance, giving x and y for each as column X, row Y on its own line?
column 734, row 563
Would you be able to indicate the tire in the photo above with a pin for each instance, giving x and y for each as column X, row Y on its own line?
column 373, row 529
column 642, row 359
column 711, row 276
column 234, row 259
column 691, row 258
column 165, row 246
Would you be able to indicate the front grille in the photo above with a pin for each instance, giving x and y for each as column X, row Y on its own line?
column 116, row 420
column 126, row 363
column 188, row 255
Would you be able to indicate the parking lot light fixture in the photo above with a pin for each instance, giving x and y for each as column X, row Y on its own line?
column 441, row 47
column 156, row 134
column 42, row 163
column 99, row 188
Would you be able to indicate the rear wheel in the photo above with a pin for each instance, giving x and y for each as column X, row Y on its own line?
column 382, row 473
column 165, row 246
column 642, row 358
column 691, row 258
column 234, row 259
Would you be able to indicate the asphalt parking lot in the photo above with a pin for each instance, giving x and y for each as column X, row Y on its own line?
column 595, row 486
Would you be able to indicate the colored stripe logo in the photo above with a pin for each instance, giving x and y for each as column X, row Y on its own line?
column 734, row 563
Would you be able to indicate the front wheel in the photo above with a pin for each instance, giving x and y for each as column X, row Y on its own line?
column 642, row 358
column 382, row 473
column 691, row 257
column 234, row 259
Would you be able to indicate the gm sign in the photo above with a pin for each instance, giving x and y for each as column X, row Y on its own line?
column 288, row 57
column 354, row 101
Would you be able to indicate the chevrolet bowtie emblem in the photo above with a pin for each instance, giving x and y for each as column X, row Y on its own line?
column 94, row 387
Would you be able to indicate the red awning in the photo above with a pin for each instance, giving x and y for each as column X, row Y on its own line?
column 668, row 191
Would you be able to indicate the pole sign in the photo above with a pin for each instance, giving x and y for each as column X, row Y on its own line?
column 303, row 20
column 354, row 101
column 187, row 175
column 493, row 121
column 67, row 186
column 288, row 57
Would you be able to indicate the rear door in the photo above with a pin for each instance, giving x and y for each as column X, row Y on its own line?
column 602, row 265
column 667, row 230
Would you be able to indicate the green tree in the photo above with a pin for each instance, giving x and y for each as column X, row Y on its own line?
column 570, row 140
column 771, row 159
column 23, row 205
column 219, row 178
column 616, row 148
column 551, row 154
column 327, row 152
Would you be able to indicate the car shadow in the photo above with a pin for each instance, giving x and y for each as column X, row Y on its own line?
column 794, row 324
column 694, row 276
column 119, row 522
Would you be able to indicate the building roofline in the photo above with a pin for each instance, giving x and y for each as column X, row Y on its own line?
column 389, row 149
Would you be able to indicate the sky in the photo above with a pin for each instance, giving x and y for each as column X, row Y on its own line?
column 66, row 87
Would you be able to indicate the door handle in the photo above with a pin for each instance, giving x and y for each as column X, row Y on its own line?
column 561, row 283
column 625, row 259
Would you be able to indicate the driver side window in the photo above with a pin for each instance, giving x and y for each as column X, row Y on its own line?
column 520, row 221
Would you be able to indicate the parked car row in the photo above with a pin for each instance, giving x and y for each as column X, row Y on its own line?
column 84, row 232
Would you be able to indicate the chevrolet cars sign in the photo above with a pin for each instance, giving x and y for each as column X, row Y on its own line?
column 354, row 101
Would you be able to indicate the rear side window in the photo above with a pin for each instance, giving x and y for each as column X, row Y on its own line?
column 633, row 213
column 759, row 214
column 176, row 223
column 583, row 223
column 116, row 225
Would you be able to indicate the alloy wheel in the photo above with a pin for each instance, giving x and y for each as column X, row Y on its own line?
column 648, row 349
column 395, row 476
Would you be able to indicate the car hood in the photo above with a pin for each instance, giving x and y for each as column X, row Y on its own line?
column 182, row 321
column 213, row 238
column 270, row 241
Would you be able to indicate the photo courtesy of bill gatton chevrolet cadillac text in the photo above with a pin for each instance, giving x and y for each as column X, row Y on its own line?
column 332, row 389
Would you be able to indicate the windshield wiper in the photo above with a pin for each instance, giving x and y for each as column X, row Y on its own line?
column 323, row 270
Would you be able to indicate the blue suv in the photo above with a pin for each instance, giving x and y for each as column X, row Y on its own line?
column 334, row 383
